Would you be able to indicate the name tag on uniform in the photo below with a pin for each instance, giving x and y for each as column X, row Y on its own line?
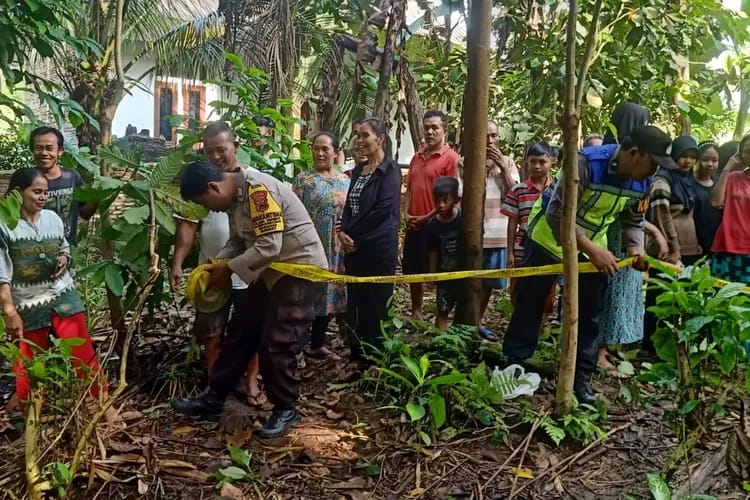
column 642, row 207
column 265, row 211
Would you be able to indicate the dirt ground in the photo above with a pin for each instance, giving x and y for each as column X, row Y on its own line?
column 347, row 448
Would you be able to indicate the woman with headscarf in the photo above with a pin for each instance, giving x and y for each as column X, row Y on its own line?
column 625, row 118
column 672, row 201
column 620, row 321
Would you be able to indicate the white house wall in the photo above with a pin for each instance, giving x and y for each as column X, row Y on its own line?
column 138, row 107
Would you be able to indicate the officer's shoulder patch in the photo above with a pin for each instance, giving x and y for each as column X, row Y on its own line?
column 265, row 211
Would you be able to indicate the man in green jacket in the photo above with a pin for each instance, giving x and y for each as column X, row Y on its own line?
column 614, row 183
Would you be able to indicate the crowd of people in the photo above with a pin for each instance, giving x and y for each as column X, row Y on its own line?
column 639, row 193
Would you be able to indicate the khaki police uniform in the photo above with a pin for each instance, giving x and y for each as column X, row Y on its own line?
column 268, row 223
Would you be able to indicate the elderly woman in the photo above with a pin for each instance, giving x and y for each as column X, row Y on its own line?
column 323, row 192
column 369, row 234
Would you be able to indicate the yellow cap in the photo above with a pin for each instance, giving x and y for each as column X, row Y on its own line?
column 203, row 301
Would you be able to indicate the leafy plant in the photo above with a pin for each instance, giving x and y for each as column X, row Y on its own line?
column 55, row 390
column 59, row 472
column 14, row 153
column 702, row 330
column 247, row 89
column 478, row 398
column 124, row 205
column 700, row 339
column 582, row 424
column 660, row 490
column 240, row 471
column 421, row 391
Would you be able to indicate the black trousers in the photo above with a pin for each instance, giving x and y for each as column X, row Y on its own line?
column 318, row 331
column 522, row 337
column 275, row 324
column 367, row 303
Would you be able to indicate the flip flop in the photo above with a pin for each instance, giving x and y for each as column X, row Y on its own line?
column 487, row 334
column 256, row 400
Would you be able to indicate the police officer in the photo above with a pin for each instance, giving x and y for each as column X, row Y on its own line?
column 613, row 183
column 268, row 223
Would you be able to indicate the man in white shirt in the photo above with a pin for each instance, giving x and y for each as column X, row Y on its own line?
column 220, row 148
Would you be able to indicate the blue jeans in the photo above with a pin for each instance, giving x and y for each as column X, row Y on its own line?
column 495, row 258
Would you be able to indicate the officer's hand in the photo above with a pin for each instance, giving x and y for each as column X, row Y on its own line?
column 604, row 261
column 219, row 276
column 674, row 257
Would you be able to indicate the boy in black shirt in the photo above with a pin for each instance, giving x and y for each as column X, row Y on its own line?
column 443, row 232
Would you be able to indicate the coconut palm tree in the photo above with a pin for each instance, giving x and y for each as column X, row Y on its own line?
column 157, row 32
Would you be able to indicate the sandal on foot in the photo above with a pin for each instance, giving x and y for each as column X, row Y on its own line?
column 256, row 400
column 487, row 334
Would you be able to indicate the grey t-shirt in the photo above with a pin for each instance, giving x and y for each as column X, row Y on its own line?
column 61, row 201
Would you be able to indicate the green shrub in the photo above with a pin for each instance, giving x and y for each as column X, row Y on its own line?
column 14, row 153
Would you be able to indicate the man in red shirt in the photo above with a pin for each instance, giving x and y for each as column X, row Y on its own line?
column 435, row 159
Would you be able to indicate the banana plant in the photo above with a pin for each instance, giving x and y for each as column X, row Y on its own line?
column 123, row 206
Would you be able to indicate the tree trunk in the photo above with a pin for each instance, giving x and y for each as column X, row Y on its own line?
column 116, row 306
column 475, row 119
column 382, row 106
column 103, row 107
column 683, row 120
column 329, row 91
column 739, row 126
column 414, row 109
column 566, row 376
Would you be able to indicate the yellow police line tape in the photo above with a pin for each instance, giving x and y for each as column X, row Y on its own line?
column 214, row 300
column 205, row 301
column 318, row 275
column 676, row 270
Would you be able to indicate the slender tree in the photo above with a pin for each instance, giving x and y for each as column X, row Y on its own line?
column 566, row 375
column 574, row 91
column 475, row 149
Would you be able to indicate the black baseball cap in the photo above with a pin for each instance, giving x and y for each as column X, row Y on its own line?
column 655, row 142
column 683, row 145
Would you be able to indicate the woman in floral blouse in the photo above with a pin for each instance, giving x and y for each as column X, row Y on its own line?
column 323, row 192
